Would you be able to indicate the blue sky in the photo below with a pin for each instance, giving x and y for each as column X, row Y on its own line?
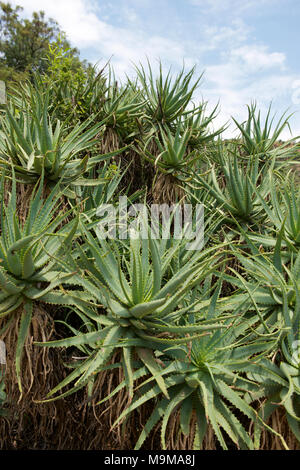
column 247, row 49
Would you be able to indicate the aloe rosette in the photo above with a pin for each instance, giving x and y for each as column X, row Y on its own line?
column 140, row 284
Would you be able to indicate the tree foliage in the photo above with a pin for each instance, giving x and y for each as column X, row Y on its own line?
column 24, row 43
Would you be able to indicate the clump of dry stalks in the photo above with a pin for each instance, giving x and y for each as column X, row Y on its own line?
column 279, row 423
column 167, row 189
column 29, row 424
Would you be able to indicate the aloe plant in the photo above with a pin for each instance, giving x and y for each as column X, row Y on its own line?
column 176, row 129
column 279, row 387
column 238, row 198
column 109, row 177
column 272, row 283
column 200, row 125
column 174, row 155
column 260, row 137
column 283, row 209
column 35, row 142
column 120, row 106
column 166, row 99
column 140, row 289
column 273, row 276
column 204, row 379
column 201, row 338
column 29, row 251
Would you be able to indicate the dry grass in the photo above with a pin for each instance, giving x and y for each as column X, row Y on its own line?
column 279, row 423
column 167, row 190
column 30, row 425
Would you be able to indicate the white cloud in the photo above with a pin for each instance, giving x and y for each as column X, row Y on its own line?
column 235, row 7
column 76, row 17
column 217, row 36
column 257, row 57
column 130, row 14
